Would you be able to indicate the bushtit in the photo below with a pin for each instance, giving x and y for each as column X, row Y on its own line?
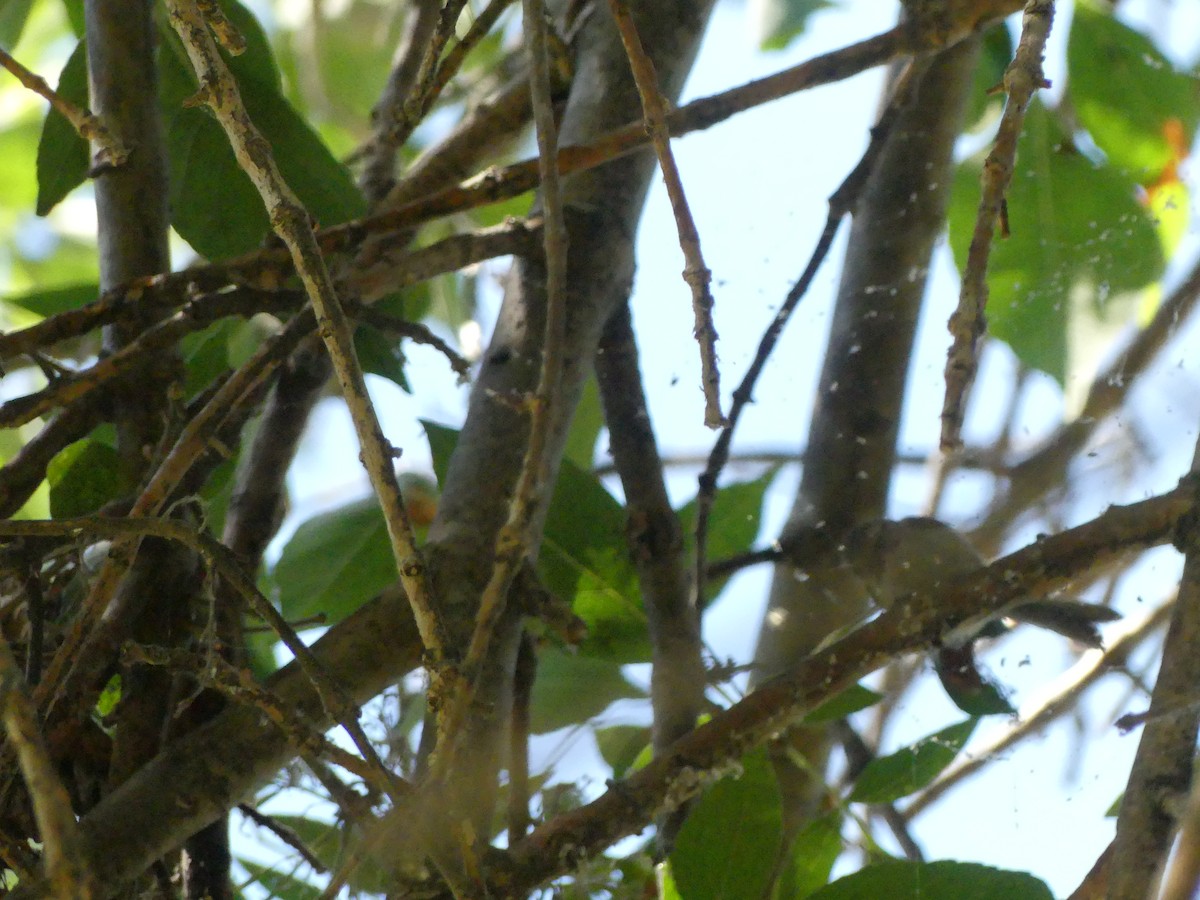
column 923, row 554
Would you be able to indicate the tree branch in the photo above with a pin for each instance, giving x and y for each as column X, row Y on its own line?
column 1022, row 79
column 1162, row 769
column 194, row 780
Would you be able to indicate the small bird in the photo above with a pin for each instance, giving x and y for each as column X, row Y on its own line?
column 921, row 555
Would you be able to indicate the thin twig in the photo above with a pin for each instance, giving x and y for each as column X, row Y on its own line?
column 841, row 202
column 655, row 539
column 193, row 441
column 1022, row 79
column 221, row 560
column 421, row 97
column 695, row 272
column 285, row 834
column 518, row 819
column 51, row 803
column 291, row 222
column 858, row 757
column 239, row 684
column 421, row 19
column 418, row 334
column 203, row 290
column 87, row 124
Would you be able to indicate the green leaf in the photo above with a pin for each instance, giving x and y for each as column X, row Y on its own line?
column 55, row 300
column 442, row 441
column 897, row 775
column 354, row 56
column 280, row 885
column 333, row 844
column 849, row 701
column 902, row 880
column 733, row 523
column 585, row 427
column 1128, row 95
column 727, row 846
column 83, row 477
column 621, row 745
column 338, row 560
column 206, row 354
column 968, row 685
column 1078, row 238
column 74, row 10
column 814, row 852
column 995, row 55
column 62, row 155
column 1114, row 808
column 335, row 562
column 13, row 14
column 214, row 205
column 584, row 559
column 18, row 161
column 570, row 689
column 782, row 21
column 380, row 355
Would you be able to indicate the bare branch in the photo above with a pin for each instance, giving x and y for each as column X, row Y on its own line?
column 1162, row 768
column 515, row 539
column 656, row 543
column 1023, row 78
column 65, row 868
column 380, row 152
column 87, row 125
column 219, row 91
column 695, row 273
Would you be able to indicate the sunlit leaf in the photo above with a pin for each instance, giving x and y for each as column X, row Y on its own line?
column 585, row 427
column 13, row 14
column 1079, row 236
column 332, row 844
column 354, row 55
column 55, row 300
column 813, row 854
column 335, row 562
column 778, row 22
column 279, row 885
column 585, row 559
column 897, row 775
column 1127, row 94
column 902, row 880
column 995, row 55
column 18, row 143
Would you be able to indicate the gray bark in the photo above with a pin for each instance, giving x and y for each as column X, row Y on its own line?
column 852, row 440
